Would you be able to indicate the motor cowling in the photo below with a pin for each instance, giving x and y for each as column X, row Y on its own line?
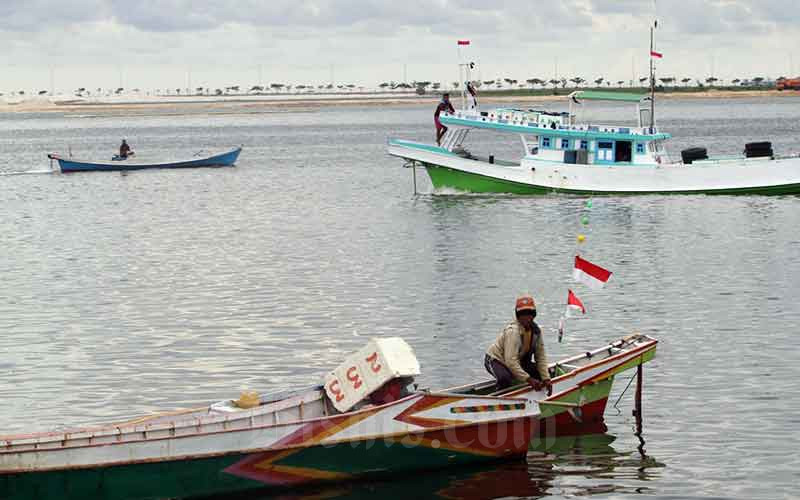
column 758, row 150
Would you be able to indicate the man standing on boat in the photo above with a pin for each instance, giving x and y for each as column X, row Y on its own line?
column 518, row 353
column 444, row 105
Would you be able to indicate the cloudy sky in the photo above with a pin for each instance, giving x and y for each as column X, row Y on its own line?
column 164, row 43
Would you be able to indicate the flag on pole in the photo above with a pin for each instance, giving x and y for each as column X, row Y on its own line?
column 574, row 304
column 463, row 42
column 590, row 274
column 655, row 54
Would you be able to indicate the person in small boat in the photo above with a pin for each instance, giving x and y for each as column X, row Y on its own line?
column 518, row 353
column 124, row 150
column 444, row 105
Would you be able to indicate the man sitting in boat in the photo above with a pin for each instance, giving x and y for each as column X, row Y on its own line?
column 444, row 105
column 512, row 355
column 124, row 150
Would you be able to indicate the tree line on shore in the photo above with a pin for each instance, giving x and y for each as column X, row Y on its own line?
column 579, row 82
column 424, row 86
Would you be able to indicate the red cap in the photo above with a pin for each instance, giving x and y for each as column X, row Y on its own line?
column 525, row 303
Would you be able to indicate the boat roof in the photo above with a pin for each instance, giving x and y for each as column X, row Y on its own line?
column 606, row 95
column 534, row 128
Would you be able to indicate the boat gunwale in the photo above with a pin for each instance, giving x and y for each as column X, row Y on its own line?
column 631, row 340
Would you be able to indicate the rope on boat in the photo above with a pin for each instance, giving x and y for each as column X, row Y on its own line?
column 630, row 381
column 154, row 416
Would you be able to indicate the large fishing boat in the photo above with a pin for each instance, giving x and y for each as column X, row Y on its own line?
column 367, row 418
column 563, row 153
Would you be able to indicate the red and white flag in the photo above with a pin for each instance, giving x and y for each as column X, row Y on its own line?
column 463, row 42
column 574, row 305
column 590, row 274
column 655, row 54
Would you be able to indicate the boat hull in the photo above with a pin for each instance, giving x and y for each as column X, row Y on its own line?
column 304, row 466
column 289, row 441
column 533, row 177
column 278, row 469
column 226, row 159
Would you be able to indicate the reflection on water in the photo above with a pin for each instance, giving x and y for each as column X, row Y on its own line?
column 570, row 466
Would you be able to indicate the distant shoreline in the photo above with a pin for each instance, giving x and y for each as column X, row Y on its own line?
column 245, row 104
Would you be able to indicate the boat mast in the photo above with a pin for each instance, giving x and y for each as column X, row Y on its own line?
column 652, row 81
column 464, row 73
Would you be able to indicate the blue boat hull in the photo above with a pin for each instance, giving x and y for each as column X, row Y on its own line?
column 221, row 160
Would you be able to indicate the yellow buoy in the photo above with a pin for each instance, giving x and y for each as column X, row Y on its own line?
column 581, row 238
column 248, row 399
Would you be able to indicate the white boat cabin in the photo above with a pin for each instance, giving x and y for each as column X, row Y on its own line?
column 555, row 137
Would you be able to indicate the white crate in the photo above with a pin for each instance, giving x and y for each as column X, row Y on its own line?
column 367, row 370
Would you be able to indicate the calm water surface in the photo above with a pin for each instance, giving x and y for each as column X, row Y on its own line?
column 125, row 294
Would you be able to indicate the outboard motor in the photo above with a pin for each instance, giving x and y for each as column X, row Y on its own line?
column 758, row 150
column 693, row 154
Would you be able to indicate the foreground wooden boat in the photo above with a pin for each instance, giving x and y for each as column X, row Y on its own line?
column 299, row 437
column 225, row 159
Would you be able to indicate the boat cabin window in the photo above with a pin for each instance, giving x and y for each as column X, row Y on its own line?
column 655, row 147
column 584, row 144
column 545, row 142
column 644, row 117
column 640, row 148
column 605, row 151
column 564, row 143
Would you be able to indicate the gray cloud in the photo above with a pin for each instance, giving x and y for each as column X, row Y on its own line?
column 685, row 16
column 299, row 39
column 185, row 15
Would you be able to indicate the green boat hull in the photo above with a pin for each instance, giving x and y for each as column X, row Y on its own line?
column 446, row 177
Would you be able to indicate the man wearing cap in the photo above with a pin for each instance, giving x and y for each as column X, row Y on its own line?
column 518, row 353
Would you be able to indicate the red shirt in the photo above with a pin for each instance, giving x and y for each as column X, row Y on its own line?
column 443, row 106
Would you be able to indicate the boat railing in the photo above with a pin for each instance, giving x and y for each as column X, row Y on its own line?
column 300, row 406
column 551, row 123
column 737, row 159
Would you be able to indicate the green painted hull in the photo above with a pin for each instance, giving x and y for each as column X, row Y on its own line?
column 177, row 479
column 446, row 177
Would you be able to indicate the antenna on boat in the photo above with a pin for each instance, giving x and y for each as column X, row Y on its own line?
column 465, row 77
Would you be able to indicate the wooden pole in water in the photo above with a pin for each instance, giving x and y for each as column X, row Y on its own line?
column 637, row 412
column 414, row 175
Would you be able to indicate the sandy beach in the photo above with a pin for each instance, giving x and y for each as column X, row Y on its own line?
column 244, row 104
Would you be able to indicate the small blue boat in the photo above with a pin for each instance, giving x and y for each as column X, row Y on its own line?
column 226, row 159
